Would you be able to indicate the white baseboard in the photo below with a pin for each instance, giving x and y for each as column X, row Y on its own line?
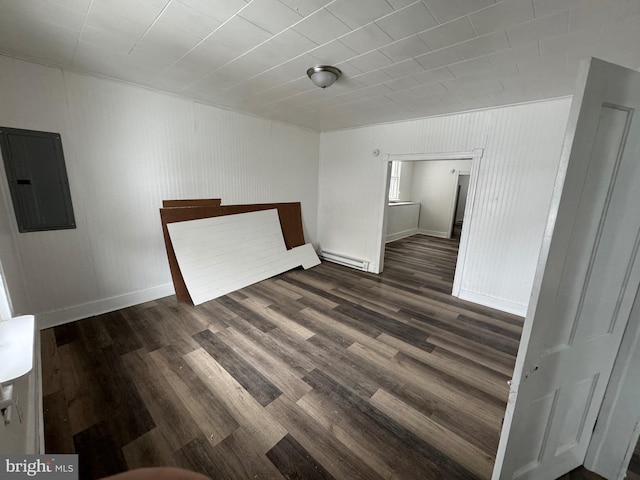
column 397, row 236
column 85, row 310
column 433, row 233
column 492, row 302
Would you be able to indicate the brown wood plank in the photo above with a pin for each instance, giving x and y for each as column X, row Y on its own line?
column 290, row 215
column 240, row 369
column 363, row 376
column 295, row 462
column 196, row 202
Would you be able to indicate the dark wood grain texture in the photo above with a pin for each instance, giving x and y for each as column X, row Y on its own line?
column 290, row 215
column 325, row 373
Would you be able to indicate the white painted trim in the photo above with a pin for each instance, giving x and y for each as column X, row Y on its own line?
column 85, row 310
column 37, row 442
column 398, row 235
column 433, row 233
column 466, row 221
column 492, row 302
column 421, row 157
column 618, row 427
column 475, row 156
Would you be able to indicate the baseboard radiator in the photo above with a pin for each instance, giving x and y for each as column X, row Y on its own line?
column 340, row 259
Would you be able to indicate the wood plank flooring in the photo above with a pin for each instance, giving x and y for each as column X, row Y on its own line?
column 318, row 374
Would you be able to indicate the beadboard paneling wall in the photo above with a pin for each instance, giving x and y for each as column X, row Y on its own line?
column 517, row 172
column 126, row 149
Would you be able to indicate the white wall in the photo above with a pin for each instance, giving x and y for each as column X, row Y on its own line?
column 435, row 188
column 127, row 149
column 406, row 181
column 516, row 176
column 402, row 220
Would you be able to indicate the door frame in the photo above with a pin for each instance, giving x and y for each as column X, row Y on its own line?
column 456, row 189
column 475, row 156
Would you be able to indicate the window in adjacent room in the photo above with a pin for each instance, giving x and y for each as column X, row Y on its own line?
column 34, row 162
column 394, row 185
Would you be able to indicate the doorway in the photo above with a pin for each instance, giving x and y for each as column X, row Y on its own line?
column 451, row 203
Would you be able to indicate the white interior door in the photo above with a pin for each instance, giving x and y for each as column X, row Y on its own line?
column 586, row 281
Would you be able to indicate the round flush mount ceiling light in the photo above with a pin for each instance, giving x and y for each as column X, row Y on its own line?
column 324, row 75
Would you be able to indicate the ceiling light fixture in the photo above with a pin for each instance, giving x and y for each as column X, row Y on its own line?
column 324, row 75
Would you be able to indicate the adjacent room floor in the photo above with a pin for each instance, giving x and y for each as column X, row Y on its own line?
column 325, row 373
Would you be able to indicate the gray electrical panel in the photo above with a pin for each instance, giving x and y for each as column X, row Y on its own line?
column 37, row 177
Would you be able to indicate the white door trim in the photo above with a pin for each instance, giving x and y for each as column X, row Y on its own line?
column 475, row 156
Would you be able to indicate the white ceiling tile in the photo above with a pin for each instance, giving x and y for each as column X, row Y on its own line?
column 566, row 43
column 484, row 45
column 321, row 27
column 115, row 42
column 49, row 12
column 166, row 45
column 366, row 38
column 543, row 27
column 398, row 4
column 448, row 34
column 591, row 17
column 470, row 67
column 446, row 10
column 428, row 90
column 80, row 5
column 627, row 9
column 511, row 56
column 403, row 69
column 287, row 45
column 471, row 87
column 221, row 10
column 140, row 11
column 247, row 66
column 332, row 53
column 53, row 44
column 502, row 15
column 306, row 7
column 402, row 83
column 432, row 76
column 373, row 78
column 547, row 7
column 440, row 58
column 357, row 13
column 108, row 21
column 174, row 80
column 239, row 34
column 298, row 66
column 543, row 65
column 402, row 96
column 370, row 61
column 209, row 55
column 348, row 69
column 270, row 15
column 205, row 58
column 406, row 48
column 412, row 19
column 180, row 17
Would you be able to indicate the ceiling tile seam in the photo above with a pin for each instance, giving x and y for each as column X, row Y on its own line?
column 432, row 14
column 338, row 39
column 155, row 20
column 203, row 40
column 84, row 24
column 290, row 27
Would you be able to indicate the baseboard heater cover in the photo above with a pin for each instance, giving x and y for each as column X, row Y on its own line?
column 340, row 259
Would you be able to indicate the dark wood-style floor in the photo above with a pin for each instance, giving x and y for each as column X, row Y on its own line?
column 318, row 374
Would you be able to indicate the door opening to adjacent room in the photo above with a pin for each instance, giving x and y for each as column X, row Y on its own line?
column 428, row 202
